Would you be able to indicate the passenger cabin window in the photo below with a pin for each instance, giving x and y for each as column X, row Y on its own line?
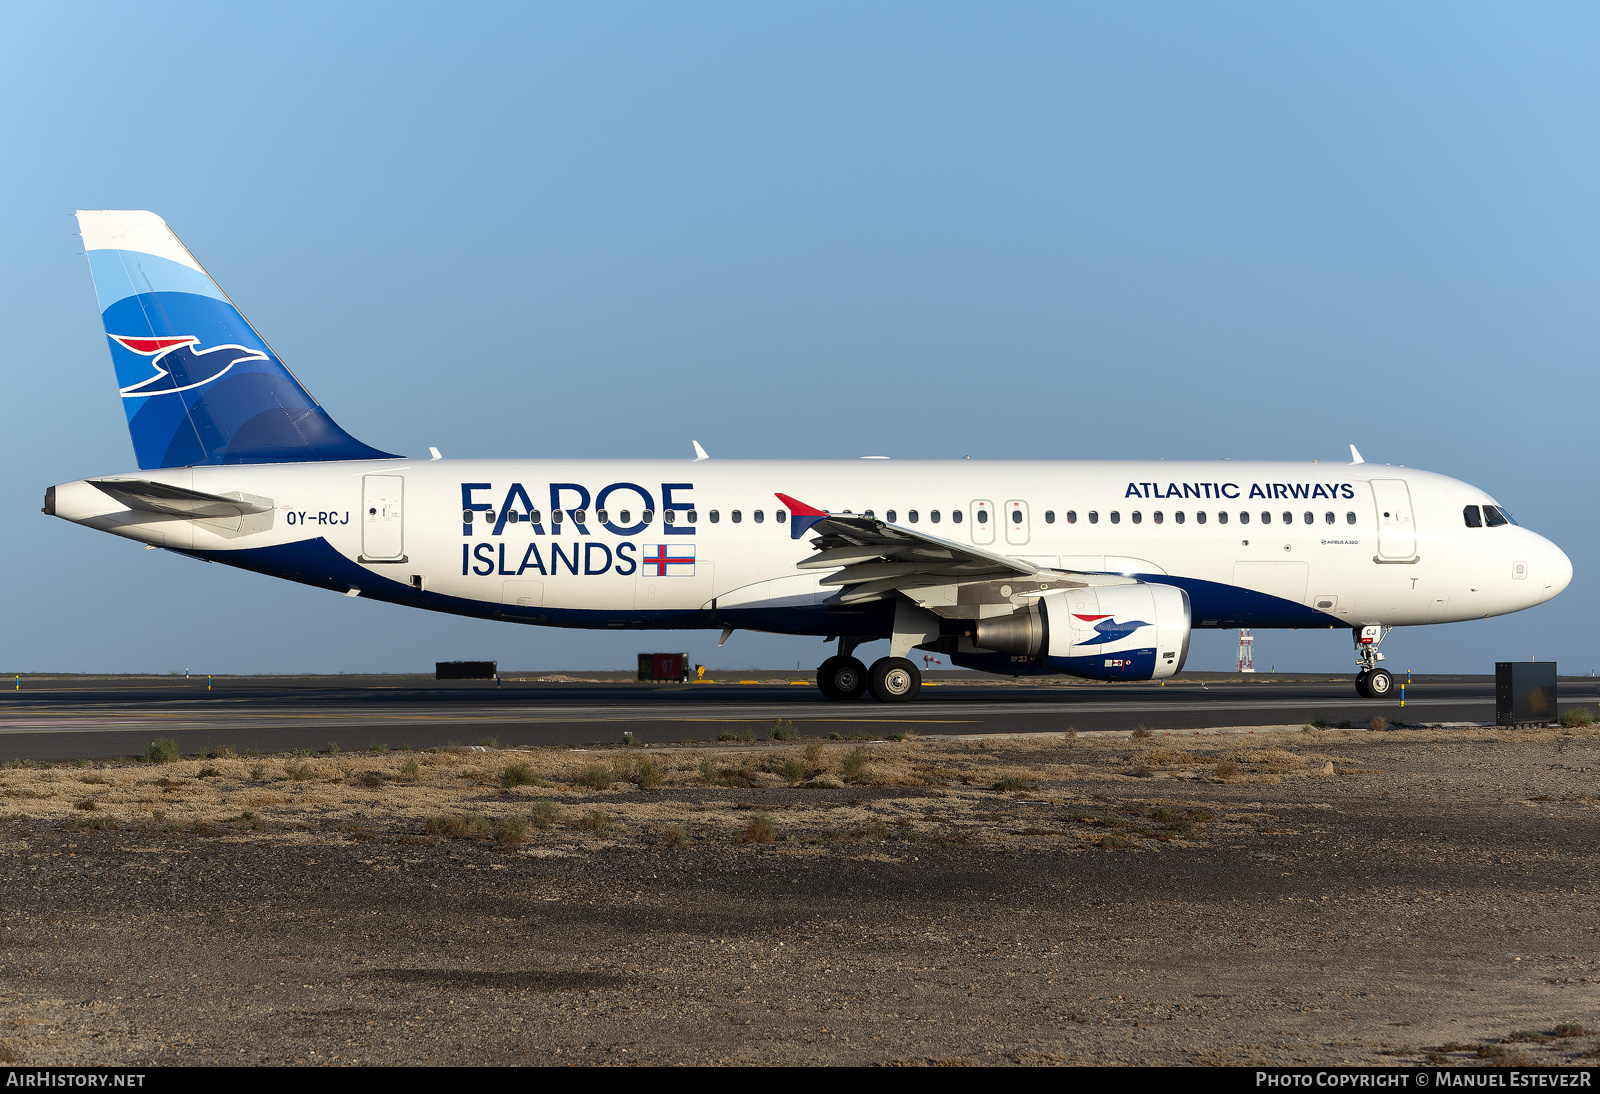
column 1473, row 516
column 1327, row 518
column 760, row 515
column 912, row 516
column 715, row 515
column 1244, row 518
column 1157, row 516
column 669, row 516
column 1049, row 516
column 467, row 515
column 1094, row 518
column 1266, row 518
column 1349, row 518
column 955, row 516
column 625, row 517
column 1200, row 518
column 488, row 516
column 1310, row 518
column 1222, row 518
column 1288, row 518
column 889, row 516
column 694, row 516
column 868, row 513
column 780, row 516
column 934, row 516
column 1072, row 516
column 983, row 516
column 736, row 516
column 1116, row 517
column 534, row 516
column 557, row 516
column 599, row 515
column 648, row 515
column 1016, row 516
column 1493, row 517
column 1138, row 517
column 1179, row 517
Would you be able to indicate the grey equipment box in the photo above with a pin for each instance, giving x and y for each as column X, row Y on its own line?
column 1524, row 692
column 464, row 670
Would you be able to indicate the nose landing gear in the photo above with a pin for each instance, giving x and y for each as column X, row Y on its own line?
column 1371, row 682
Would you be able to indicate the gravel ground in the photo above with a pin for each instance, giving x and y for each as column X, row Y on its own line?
column 1361, row 898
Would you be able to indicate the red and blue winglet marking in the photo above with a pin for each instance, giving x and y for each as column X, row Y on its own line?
column 801, row 515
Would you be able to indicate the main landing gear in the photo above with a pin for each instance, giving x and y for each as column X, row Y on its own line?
column 891, row 679
column 1371, row 682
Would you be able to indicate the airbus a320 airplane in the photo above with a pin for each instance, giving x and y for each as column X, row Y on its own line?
column 1095, row 569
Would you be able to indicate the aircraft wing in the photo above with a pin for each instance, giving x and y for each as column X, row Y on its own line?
column 876, row 559
column 175, row 501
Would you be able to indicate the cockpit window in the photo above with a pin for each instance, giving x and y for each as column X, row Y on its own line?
column 1473, row 518
column 1493, row 517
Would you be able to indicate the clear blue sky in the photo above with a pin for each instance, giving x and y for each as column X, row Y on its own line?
column 1122, row 230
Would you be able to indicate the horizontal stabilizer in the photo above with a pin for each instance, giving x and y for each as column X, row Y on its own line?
column 175, row 501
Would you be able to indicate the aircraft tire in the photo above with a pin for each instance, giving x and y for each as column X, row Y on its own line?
column 842, row 679
column 1379, row 684
column 894, row 680
column 1361, row 684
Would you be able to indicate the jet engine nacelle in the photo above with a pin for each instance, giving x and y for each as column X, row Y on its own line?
column 1109, row 632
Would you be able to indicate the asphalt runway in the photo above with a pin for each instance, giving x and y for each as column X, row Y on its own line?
column 70, row 718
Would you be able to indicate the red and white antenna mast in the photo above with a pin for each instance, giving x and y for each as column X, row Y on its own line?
column 1247, row 661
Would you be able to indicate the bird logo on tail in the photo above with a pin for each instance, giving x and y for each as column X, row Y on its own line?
column 179, row 363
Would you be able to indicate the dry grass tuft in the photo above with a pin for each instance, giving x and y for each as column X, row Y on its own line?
column 543, row 814
column 162, row 750
column 855, row 763
column 675, row 836
column 1570, row 1029
column 459, row 826
column 813, row 753
column 594, row 777
column 791, row 769
column 1140, row 732
column 87, row 804
column 594, row 821
column 1577, row 718
column 515, row 775
column 511, row 831
column 1227, row 769
column 9, row 1053
column 1378, row 724
column 759, row 830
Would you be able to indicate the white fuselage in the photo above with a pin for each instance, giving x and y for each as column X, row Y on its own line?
column 1340, row 544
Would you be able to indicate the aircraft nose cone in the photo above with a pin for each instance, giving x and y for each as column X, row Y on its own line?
column 1556, row 569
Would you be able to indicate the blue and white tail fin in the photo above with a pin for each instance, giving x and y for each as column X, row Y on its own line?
column 199, row 385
